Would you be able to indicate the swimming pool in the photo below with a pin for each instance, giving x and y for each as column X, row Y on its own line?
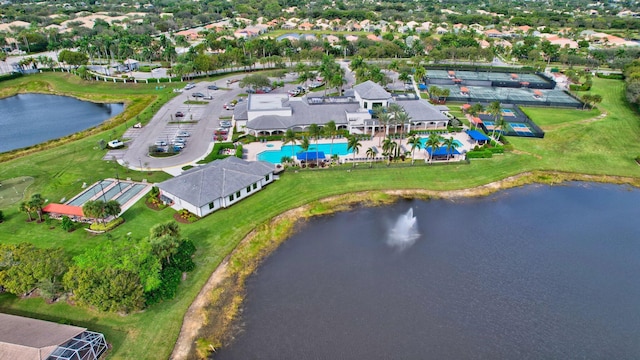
column 424, row 142
column 274, row 156
column 507, row 111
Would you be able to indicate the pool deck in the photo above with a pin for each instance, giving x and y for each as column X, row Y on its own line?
column 253, row 149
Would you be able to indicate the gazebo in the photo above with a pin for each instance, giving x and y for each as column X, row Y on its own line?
column 524, row 83
column 452, row 74
column 514, row 76
column 537, row 94
column 464, row 91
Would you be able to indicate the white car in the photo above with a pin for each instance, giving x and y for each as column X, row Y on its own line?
column 182, row 134
column 115, row 144
column 160, row 143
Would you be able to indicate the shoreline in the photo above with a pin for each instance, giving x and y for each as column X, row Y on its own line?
column 47, row 88
column 224, row 290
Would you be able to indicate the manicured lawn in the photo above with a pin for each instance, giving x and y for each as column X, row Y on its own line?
column 548, row 119
column 606, row 146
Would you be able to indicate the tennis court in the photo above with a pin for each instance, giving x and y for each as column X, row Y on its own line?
column 484, row 75
column 520, row 96
column 521, row 129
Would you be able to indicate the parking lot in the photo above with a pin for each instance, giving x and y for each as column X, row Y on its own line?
column 200, row 121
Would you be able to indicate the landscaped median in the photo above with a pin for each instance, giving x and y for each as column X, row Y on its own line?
column 607, row 146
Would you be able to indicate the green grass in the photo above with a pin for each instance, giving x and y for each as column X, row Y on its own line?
column 606, row 146
column 13, row 190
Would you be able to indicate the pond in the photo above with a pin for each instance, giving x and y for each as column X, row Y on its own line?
column 535, row 272
column 30, row 119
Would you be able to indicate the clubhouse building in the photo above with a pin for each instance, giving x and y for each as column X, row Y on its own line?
column 219, row 184
column 274, row 114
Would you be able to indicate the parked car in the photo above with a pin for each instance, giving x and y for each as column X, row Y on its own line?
column 178, row 146
column 137, row 126
column 228, row 107
column 179, row 114
column 225, row 124
column 189, row 86
column 160, row 143
column 208, row 97
column 221, row 131
column 115, row 144
column 183, row 134
column 251, row 91
column 212, row 87
column 179, row 140
column 197, row 95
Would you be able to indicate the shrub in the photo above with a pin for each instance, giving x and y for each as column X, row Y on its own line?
column 67, row 224
column 108, row 226
column 610, row 76
column 1, row 216
column 186, row 215
column 479, row 154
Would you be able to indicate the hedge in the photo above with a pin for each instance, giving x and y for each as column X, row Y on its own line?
column 479, row 154
column 215, row 153
column 610, row 76
column 108, row 226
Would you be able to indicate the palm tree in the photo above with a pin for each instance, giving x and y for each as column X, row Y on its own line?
column 36, row 204
column 331, row 131
column 416, row 143
column 419, row 73
column 450, row 144
column 370, row 155
column 112, row 208
column 290, row 138
column 496, row 111
column 402, row 118
column 314, row 132
column 304, row 143
column 388, row 148
column 433, row 142
column 384, row 118
column 354, row 145
column 26, row 208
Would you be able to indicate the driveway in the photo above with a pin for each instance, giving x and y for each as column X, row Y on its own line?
column 199, row 120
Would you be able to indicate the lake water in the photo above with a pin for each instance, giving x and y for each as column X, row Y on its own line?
column 29, row 119
column 536, row 272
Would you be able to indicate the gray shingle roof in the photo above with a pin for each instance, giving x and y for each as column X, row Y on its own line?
column 204, row 184
column 369, row 90
column 304, row 114
column 421, row 110
column 240, row 111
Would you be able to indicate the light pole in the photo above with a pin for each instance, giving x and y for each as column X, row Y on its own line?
column 140, row 161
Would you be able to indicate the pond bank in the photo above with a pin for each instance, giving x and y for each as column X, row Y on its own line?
column 209, row 322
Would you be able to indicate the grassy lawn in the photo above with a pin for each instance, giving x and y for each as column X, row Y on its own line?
column 606, row 146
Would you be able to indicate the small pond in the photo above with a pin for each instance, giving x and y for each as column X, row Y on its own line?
column 30, row 119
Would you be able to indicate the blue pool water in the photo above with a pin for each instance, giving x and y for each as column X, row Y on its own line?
column 274, row 156
column 424, row 141
column 507, row 111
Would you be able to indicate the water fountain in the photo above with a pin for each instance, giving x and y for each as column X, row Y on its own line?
column 404, row 233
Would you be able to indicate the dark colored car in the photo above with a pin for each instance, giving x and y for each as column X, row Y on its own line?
column 197, row 94
column 179, row 114
column 212, row 87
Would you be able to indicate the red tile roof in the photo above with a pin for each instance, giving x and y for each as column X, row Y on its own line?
column 63, row 209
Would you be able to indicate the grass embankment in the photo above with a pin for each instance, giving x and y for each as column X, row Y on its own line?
column 151, row 334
